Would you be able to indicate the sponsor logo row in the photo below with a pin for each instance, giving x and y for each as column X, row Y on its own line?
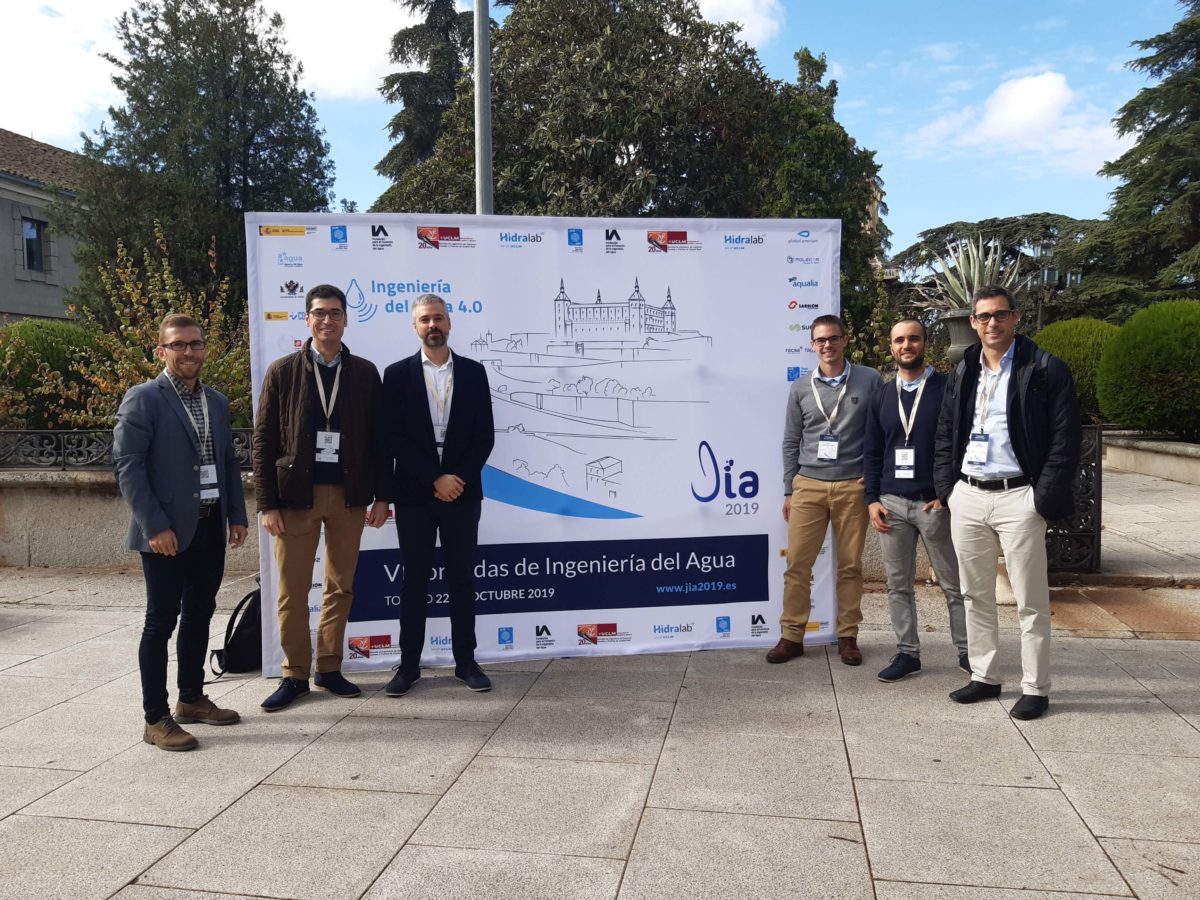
column 453, row 237
column 588, row 634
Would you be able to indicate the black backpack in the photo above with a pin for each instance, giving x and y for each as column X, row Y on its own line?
column 243, row 638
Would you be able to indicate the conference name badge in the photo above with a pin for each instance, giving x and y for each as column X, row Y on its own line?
column 208, row 483
column 906, row 462
column 328, row 444
column 977, row 449
column 827, row 447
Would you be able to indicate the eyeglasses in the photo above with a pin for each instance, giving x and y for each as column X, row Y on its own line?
column 180, row 346
column 333, row 315
column 1000, row 315
column 821, row 342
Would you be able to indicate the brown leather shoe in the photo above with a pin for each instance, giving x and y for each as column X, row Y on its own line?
column 849, row 652
column 166, row 735
column 205, row 712
column 785, row 650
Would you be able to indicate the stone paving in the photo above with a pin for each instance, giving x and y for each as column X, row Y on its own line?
column 691, row 775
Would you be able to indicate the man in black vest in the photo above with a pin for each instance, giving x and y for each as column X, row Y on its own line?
column 439, row 433
column 898, row 473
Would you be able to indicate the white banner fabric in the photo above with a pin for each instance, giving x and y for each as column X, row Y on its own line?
column 639, row 370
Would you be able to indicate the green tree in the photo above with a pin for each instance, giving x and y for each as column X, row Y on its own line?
column 820, row 172
column 643, row 108
column 441, row 43
column 214, row 124
column 1153, row 230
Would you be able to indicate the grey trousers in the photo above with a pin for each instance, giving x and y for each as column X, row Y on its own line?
column 908, row 520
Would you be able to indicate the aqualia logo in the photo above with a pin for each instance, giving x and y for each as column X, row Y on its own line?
column 356, row 301
column 504, row 637
column 575, row 237
column 719, row 481
column 339, row 236
column 723, row 625
column 803, row 282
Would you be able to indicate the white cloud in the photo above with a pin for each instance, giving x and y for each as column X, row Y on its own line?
column 761, row 20
column 1029, row 124
column 54, row 50
column 56, row 78
column 836, row 69
column 345, row 54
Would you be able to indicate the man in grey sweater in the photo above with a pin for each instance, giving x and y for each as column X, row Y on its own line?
column 822, row 480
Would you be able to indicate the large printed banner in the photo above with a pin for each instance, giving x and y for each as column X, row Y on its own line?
column 639, row 370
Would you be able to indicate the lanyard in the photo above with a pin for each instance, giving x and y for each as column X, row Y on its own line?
column 908, row 421
column 986, row 395
column 202, row 436
column 832, row 416
column 327, row 406
column 440, row 400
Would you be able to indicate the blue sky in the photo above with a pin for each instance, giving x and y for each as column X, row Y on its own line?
column 973, row 109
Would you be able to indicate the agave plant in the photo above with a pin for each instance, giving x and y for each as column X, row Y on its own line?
column 966, row 267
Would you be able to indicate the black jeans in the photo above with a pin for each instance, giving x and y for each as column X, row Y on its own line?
column 184, row 588
column 418, row 528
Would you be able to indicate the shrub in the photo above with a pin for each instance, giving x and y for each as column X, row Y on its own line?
column 1149, row 378
column 1080, row 343
column 119, row 359
column 32, row 353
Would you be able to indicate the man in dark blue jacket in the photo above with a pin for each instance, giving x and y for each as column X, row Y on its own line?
column 438, row 426
column 902, row 502
column 1005, row 461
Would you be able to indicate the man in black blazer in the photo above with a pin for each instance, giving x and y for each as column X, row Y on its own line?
column 437, row 414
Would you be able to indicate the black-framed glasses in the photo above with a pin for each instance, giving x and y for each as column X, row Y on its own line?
column 180, row 346
column 1000, row 315
column 333, row 315
column 822, row 341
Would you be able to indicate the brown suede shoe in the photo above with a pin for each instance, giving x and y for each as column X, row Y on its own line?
column 205, row 712
column 849, row 652
column 166, row 735
column 785, row 650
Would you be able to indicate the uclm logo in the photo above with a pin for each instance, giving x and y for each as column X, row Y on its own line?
column 660, row 241
column 430, row 237
column 718, row 481
column 361, row 647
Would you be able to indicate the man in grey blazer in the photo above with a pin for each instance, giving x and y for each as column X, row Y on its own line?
column 175, row 464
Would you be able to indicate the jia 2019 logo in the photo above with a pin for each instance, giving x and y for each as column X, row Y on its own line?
column 719, row 480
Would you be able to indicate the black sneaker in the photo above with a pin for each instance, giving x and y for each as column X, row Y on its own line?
column 402, row 682
column 289, row 689
column 901, row 666
column 471, row 675
column 964, row 663
column 336, row 683
column 975, row 691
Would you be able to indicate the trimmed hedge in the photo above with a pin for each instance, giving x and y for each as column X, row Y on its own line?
column 1149, row 379
column 1080, row 343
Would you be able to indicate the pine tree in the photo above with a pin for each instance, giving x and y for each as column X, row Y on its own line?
column 1154, row 222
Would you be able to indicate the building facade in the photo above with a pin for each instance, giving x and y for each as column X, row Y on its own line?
column 37, row 265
